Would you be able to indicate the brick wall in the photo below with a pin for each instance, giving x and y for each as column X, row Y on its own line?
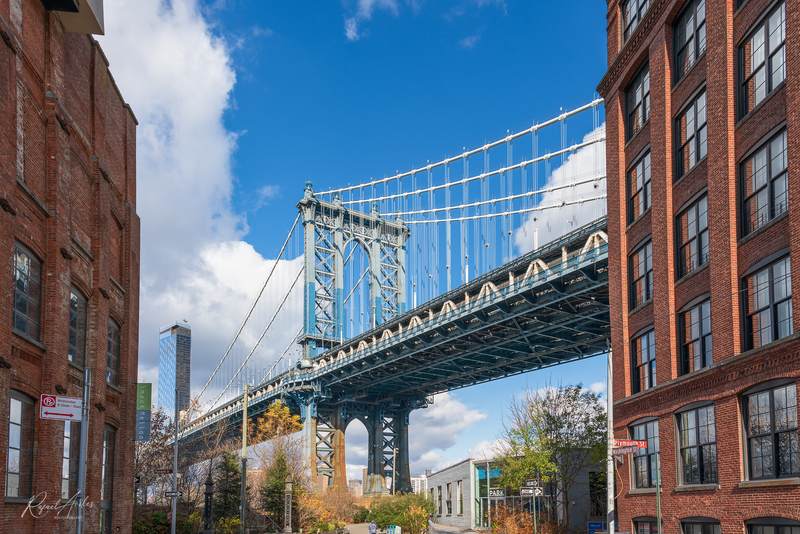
column 68, row 175
column 730, row 137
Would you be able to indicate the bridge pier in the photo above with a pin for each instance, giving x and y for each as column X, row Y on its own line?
column 376, row 475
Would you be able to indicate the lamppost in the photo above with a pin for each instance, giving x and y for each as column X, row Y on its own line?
column 287, row 512
column 209, row 511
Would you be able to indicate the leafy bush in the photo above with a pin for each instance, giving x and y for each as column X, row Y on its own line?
column 161, row 523
column 361, row 515
column 410, row 511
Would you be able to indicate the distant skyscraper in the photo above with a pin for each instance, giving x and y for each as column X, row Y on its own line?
column 174, row 366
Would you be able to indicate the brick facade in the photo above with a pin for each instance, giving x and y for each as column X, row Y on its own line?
column 68, row 193
column 735, row 499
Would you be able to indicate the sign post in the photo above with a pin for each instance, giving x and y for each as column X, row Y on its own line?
column 610, row 443
column 84, row 444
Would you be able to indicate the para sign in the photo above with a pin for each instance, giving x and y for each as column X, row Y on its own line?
column 60, row 408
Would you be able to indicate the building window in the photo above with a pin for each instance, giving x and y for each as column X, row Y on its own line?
column 107, row 480
column 77, row 328
column 19, row 467
column 693, row 237
column 701, row 528
column 69, row 460
column 27, row 292
column 698, row 444
column 773, row 528
column 460, row 489
column 633, row 12
column 644, row 362
column 449, row 498
column 762, row 59
column 768, row 294
column 112, row 367
column 644, row 460
column 637, row 98
column 639, row 187
column 441, row 497
column 696, row 345
column 772, row 433
column 764, row 186
column 641, row 267
column 690, row 36
column 690, row 131
column 645, row 527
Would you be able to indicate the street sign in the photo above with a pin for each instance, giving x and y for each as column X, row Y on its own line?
column 534, row 483
column 630, row 443
column 137, row 479
column 620, row 451
column 60, row 408
column 596, row 527
column 163, row 471
column 538, row 492
column 173, row 494
column 526, row 491
column 497, row 492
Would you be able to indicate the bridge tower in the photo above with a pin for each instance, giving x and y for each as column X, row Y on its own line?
column 328, row 228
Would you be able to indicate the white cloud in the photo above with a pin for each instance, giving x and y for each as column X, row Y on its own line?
column 363, row 12
column 264, row 195
column 178, row 77
column 469, row 42
column 486, row 450
column 588, row 163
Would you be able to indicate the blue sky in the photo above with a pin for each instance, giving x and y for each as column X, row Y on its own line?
column 241, row 101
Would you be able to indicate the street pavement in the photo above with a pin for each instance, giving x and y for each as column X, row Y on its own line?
column 363, row 528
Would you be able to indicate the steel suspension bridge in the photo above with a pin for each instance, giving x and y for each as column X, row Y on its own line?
column 478, row 266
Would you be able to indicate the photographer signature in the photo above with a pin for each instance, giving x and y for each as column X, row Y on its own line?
column 38, row 506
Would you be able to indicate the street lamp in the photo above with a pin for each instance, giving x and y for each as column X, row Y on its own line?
column 209, row 511
column 287, row 513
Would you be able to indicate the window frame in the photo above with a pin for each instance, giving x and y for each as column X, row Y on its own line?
column 460, row 490
column 69, row 459
column 779, row 525
column 772, row 306
column 647, row 277
column 108, row 464
column 73, row 349
column 647, row 425
column 704, row 526
column 772, row 434
column 112, row 356
column 22, row 492
column 645, row 161
column 652, row 527
column 642, row 7
column 704, row 337
column 698, row 445
column 637, row 363
column 449, row 496
column 698, row 50
column 17, row 317
column 743, row 79
column 699, row 210
column 770, row 179
column 640, row 81
column 695, row 140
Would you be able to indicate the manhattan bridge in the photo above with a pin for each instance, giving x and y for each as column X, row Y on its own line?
column 472, row 268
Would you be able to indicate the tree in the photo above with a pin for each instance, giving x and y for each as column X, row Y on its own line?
column 556, row 433
column 227, row 486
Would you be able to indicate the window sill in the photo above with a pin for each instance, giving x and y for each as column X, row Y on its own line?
column 115, row 388
column 640, row 307
column 768, row 346
column 759, row 105
column 23, row 500
column 29, row 339
column 686, row 74
column 639, row 218
column 117, row 284
column 690, row 171
column 770, row 482
column 644, row 491
column 739, row 9
column 698, row 487
column 76, row 366
column 691, row 274
column 763, row 228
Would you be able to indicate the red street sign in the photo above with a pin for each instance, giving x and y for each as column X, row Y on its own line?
column 163, row 471
column 60, row 408
column 630, row 443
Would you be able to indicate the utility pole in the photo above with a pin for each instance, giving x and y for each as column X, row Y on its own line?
column 84, row 444
column 175, row 466
column 394, row 469
column 610, row 444
column 658, row 490
column 243, row 504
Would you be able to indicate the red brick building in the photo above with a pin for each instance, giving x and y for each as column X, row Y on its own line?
column 69, row 277
column 703, row 114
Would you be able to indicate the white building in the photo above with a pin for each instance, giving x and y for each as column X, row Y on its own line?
column 420, row 484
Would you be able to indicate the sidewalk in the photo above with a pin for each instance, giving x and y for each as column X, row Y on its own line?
column 435, row 528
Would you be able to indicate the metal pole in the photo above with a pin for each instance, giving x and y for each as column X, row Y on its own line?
column 394, row 468
column 84, row 443
column 610, row 445
column 658, row 491
column 175, row 466
column 243, row 504
column 535, row 523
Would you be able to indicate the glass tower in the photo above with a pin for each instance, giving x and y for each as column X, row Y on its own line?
column 174, row 367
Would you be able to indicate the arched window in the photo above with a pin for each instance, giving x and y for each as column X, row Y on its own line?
column 19, row 471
